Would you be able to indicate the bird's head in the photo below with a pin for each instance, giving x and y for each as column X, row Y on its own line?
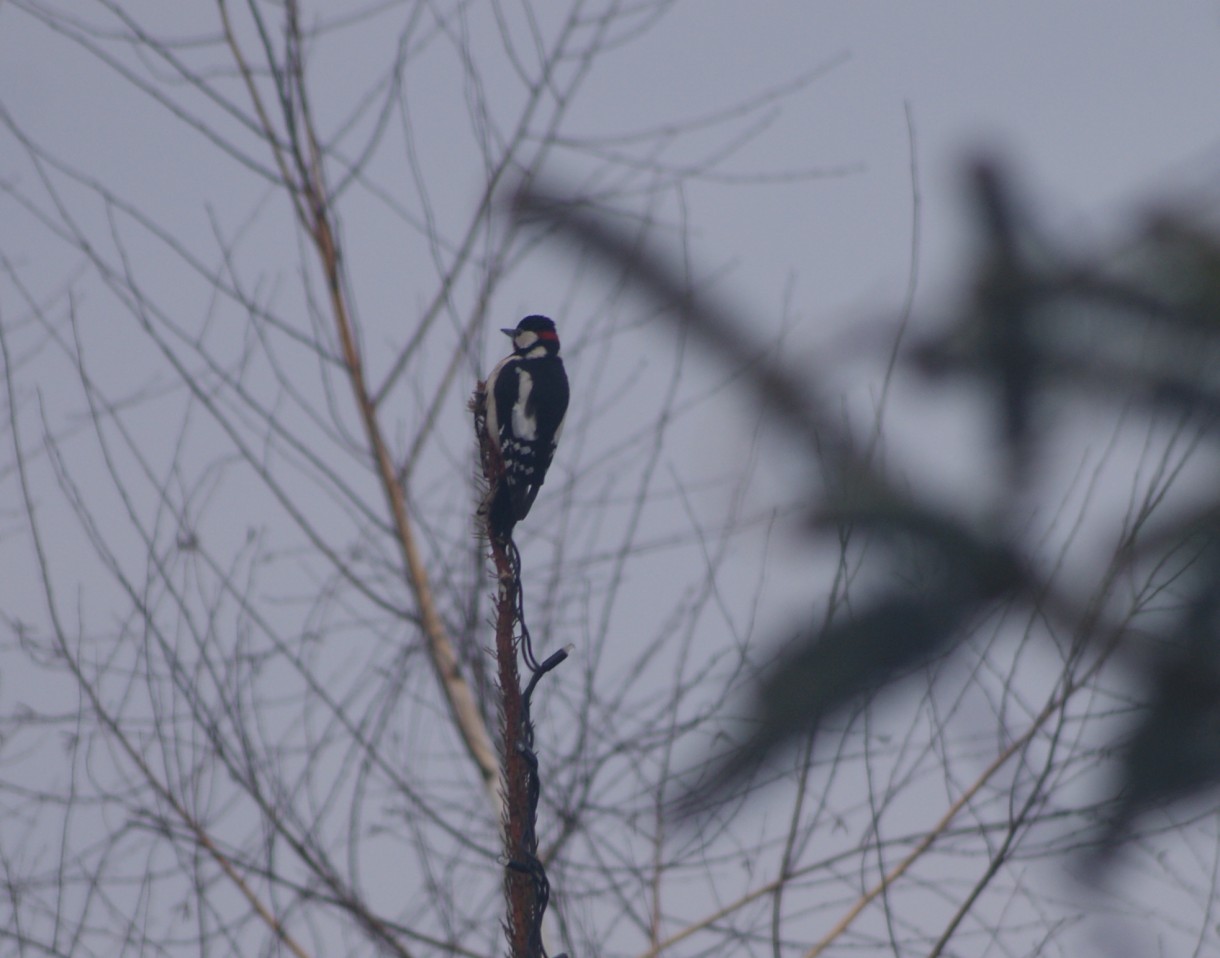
column 534, row 332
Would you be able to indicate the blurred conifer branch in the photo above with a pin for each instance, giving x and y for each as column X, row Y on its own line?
column 1037, row 324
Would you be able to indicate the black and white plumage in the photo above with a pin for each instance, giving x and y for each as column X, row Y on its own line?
column 527, row 397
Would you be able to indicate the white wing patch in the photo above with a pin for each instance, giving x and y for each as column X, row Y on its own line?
column 524, row 427
column 493, row 420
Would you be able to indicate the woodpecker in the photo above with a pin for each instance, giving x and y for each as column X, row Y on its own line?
column 527, row 396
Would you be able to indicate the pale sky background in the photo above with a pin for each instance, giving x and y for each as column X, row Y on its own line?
column 1097, row 105
column 1101, row 109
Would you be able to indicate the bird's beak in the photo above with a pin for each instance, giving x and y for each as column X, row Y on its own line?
column 509, row 332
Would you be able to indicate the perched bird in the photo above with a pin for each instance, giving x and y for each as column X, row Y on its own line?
column 527, row 396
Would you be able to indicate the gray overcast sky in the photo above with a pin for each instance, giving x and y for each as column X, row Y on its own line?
column 1096, row 103
column 1098, row 107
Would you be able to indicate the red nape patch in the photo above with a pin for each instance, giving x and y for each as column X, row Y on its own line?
column 547, row 334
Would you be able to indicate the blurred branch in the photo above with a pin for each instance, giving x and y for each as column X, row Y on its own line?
column 1012, row 338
